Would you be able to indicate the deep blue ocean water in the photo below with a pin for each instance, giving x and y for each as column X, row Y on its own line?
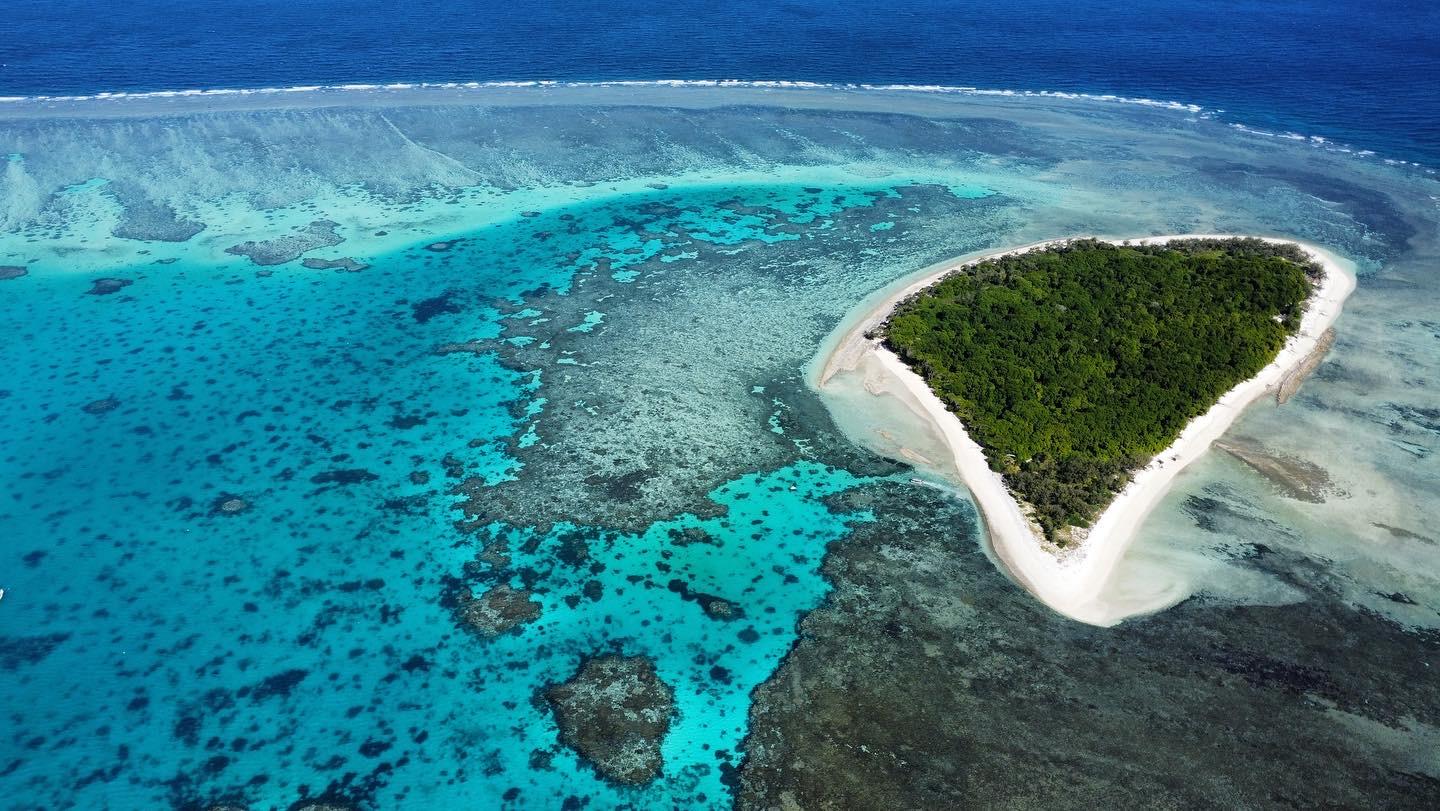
column 1363, row 72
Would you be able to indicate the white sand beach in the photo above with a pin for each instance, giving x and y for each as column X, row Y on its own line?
column 862, row 383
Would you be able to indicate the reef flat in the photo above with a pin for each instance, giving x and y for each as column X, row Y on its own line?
column 928, row 681
column 320, row 523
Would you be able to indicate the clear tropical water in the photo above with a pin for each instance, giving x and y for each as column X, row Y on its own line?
column 243, row 495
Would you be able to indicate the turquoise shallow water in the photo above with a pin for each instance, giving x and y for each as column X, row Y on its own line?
column 244, row 495
column 320, row 401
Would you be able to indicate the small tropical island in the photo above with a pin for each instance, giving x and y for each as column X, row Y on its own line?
column 1072, row 366
column 1071, row 380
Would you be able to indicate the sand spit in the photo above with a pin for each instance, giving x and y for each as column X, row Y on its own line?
column 862, row 382
column 1296, row 376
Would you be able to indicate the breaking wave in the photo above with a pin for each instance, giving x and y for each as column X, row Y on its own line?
column 1196, row 110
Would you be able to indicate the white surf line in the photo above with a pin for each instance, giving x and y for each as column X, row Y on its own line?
column 1072, row 581
column 760, row 84
column 206, row 94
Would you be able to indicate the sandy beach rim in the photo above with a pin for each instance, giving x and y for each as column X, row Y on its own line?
column 853, row 373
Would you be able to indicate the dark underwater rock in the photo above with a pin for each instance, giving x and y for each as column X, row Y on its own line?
column 615, row 712
column 8, row 272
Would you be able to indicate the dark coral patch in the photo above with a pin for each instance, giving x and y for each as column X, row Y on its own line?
column 16, row 651
column 101, row 406
column 344, row 264
column 228, row 504
column 714, row 606
column 615, row 712
column 374, row 748
column 472, row 347
column 497, row 610
column 344, row 477
column 318, row 234
column 280, row 684
column 106, row 286
column 429, row 308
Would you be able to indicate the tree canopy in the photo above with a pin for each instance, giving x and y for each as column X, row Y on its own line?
column 1074, row 365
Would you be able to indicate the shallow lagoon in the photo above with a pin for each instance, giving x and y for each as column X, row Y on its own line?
column 575, row 345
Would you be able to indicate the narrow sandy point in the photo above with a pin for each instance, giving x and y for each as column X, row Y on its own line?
column 853, row 367
column 1295, row 377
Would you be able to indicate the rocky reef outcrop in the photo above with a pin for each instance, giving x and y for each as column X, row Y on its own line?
column 615, row 712
column 498, row 610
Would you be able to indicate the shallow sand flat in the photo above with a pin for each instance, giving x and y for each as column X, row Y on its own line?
column 1074, row 581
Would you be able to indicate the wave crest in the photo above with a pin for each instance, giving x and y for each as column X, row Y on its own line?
column 1196, row 110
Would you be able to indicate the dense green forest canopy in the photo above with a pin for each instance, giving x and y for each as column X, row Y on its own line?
column 1074, row 365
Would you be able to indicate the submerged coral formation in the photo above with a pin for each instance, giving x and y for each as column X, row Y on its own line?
column 498, row 610
column 572, row 376
column 615, row 712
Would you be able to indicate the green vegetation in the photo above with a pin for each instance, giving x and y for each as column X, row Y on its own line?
column 1073, row 366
